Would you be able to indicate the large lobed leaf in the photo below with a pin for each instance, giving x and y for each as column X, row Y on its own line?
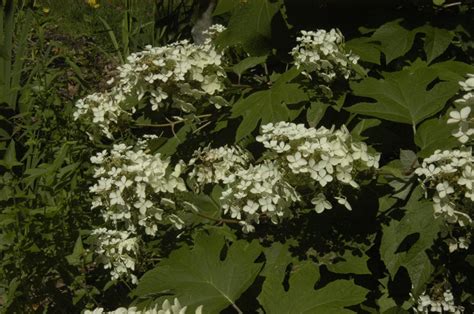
column 434, row 134
column 249, row 25
column 269, row 105
column 301, row 297
column 198, row 276
column 418, row 221
column 395, row 41
column 404, row 96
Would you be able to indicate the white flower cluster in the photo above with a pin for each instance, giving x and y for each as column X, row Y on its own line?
column 296, row 159
column 463, row 117
column 258, row 191
column 102, row 109
column 319, row 156
column 178, row 75
column 322, row 53
column 450, row 176
column 118, row 251
column 443, row 303
column 217, row 165
column 135, row 189
column 212, row 32
column 166, row 308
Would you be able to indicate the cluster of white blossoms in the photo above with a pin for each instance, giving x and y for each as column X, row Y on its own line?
column 179, row 75
column 442, row 303
column 463, row 117
column 258, row 191
column 217, row 165
column 166, row 308
column 318, row 157
column 118, row 251
column 135, row 190
column 449, row 175
column 212, row 32
column 104, row 110
column 323, row 161
column 322, row 53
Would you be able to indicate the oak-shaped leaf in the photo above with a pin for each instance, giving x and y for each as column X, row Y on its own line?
column 404, row 96
column 269, row 105
column 302, row 297
column 437, row 40
column 404, row 242
column 250, row 26
column 199, row 275
column 434, row 134
column 395, row 40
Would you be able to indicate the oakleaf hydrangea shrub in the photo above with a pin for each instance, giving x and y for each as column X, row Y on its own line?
column 166, row 308
column 181, row 76
column 301, row 169
column 322, row 55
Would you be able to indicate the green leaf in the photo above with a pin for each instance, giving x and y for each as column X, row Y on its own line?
column 9, row 159
column 408, row 160
column 418, row 222
column 350, row 264
column 267, row 106
column 248, row 63
column 437, row 40
column 452, row 70
column 277, row 258
column 316, row 112
column 434, row 134
column 365, row 49
column 395, row 41
column 363, row 125
column 225, row 6
column 250, row 26
column 75, row 258
column 403, row 96
column 198, row 276
column 301, row 297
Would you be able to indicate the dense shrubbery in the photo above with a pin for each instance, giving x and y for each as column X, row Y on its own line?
column 282, row 164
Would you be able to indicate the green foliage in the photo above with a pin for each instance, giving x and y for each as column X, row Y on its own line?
column 434, row 134
column 269, row 105
column 437, row 40
column 395, row 40
column 301, row 297
column 369, row 259
column 199, row 276
column 403, row 96
column 399, row 250
column 250, row 25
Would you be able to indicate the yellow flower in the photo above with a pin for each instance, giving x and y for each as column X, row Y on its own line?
column 93, row 3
